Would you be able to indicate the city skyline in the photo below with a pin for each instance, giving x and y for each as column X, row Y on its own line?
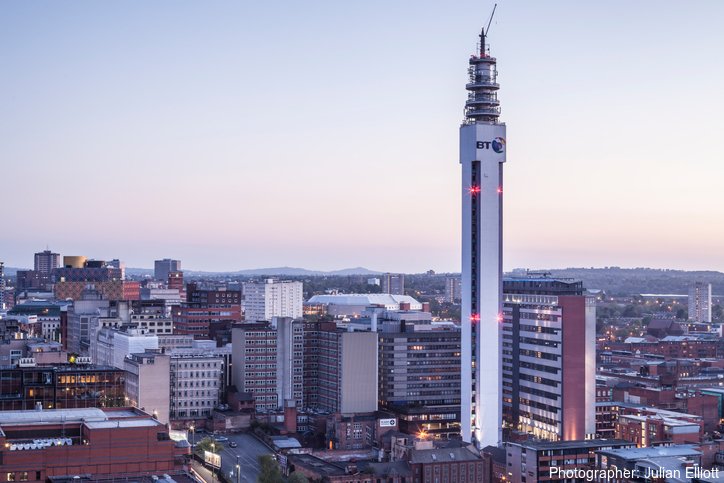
column 176, row 121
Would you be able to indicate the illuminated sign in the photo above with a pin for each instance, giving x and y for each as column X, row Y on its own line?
column 388, row 423
column 212, row 459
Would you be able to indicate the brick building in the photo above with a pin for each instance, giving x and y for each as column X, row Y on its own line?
column 532, row 461
column 207, row 313
column 38, row 445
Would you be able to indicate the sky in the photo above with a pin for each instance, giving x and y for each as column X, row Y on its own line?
column 324, row 134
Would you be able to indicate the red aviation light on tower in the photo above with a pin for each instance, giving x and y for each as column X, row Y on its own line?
column 474, row 190
column 475, row 318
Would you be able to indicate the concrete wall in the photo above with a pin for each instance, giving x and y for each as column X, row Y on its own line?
column 359, row 372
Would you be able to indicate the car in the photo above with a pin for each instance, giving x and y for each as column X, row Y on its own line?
column 220, row 439
column 233, row 444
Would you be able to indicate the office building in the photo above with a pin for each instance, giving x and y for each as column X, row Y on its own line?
column 268, row 362
column 40, row 277
column 419, row 373
column 110, row 346
column 700, row 302
column 61, row 386
column 148, row 316
column 354, row 305
column 393, row 283
column 82, row 317
column 482, row 154
column 536, row 460
column 677, row 463
column 197, row 382
column 175, row 281
column 549, row 352
column 342, row 376
column 206, row 313
column 46, row 261
column 30, row 280
column 148, row 380
column 169, row 296
column 272, row 298
column 161, row 268
column 47, row 314
column 98, row 444
column 290, row 360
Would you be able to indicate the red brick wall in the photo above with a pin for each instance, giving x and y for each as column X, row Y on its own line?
column 574, row 369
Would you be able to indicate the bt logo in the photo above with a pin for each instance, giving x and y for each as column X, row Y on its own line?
column 498, row 145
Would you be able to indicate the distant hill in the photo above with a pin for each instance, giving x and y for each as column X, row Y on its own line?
column 12, row 271
column 631, row 281
column 255, row 272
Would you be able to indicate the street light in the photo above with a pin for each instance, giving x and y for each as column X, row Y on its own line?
column 193, row 434
column 238, row 470
column 213, row 470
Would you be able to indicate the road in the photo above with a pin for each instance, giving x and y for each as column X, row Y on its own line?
column 248, row 450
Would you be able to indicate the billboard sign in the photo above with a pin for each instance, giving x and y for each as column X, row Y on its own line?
column 212, row 459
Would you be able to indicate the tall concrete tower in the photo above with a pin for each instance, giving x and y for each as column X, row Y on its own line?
column 482, row 154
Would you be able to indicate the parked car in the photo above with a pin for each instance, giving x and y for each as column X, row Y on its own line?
column 233, row 444
column 220, row 439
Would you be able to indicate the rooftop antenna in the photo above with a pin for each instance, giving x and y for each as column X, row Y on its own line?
column 484, row 32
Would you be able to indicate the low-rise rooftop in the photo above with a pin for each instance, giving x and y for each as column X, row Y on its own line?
column 680, row 450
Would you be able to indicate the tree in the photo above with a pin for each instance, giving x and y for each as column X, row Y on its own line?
column 297, row 477
column 208, row 444
column 716, row 312
column 269, row 470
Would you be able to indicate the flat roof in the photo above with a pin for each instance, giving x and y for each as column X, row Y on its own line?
column 442, row 455
column 652, row 452
column 52, row 416
column 81, row 415
column 363, row 299
column 717, row 390
column 319, row 465
column 123, row 423
column 588, row 444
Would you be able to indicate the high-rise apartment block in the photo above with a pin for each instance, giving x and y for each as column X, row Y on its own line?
column 272, row 298
column 700, row 302
column 453, row 288
column 340, row 369
column 482, row 155
column 393, row 283
column 548, row 355
column 161, row 268
column 2, row 286
column 268, row 361
column 46, row 261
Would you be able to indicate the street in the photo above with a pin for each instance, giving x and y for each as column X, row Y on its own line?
column 248, row 450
